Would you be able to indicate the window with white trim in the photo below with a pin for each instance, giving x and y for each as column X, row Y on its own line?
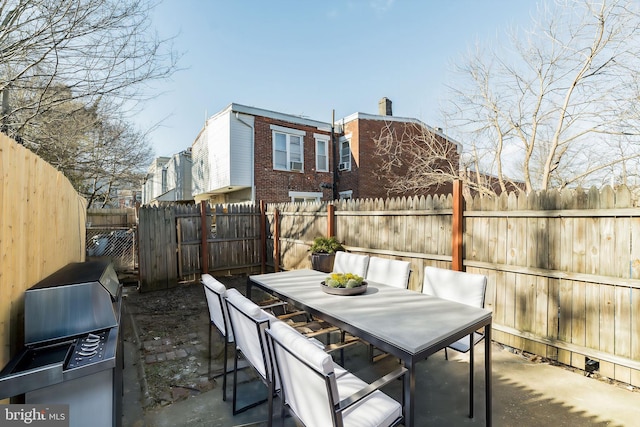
column 305, row 197
column 322, row 155
column 288, row 149
column 346, row 194
column 345, row 155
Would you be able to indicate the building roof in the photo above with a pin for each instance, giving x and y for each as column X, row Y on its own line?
column 291, row 118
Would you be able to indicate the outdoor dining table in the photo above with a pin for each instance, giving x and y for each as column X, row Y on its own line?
column 406, row 324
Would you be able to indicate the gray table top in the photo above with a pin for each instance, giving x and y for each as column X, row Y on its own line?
column 407, row 320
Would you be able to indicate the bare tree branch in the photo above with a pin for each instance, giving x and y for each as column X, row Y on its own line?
column 549, row 107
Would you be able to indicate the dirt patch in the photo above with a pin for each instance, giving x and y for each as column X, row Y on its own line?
column 172, row 328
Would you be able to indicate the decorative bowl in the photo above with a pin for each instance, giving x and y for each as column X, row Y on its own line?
column 344, row 291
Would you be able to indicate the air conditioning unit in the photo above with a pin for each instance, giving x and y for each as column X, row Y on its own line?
column 344, row 166
column 295, row 166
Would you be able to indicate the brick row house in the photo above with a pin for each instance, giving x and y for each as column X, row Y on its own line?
column 248, row 154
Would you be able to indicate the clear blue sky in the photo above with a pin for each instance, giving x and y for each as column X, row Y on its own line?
column 308, row 58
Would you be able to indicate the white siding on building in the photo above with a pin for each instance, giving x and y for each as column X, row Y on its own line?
column 178, row 177
column 218, row 135
column 153, row 185
column 242, row 134
column 223, row 154
column 200, row 167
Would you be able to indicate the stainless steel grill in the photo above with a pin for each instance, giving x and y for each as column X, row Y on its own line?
column 73, row 350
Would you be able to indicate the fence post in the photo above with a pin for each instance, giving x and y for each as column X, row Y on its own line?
column 331, row 220
column 263, row 236
column 276, row 240
column 456, row 227
column 204, row 233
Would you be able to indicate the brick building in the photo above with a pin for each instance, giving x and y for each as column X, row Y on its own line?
column 357, row 171
column 247, row 154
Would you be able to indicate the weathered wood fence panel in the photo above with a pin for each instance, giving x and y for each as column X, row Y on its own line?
column 158, row 246
column 235, row 245
column 189, row 232
column 568, row 285
column 171, row 242
column 299, row 224
column 417, row 230
column 42, row 229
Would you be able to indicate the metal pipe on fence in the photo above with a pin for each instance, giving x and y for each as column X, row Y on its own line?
column 331, row 220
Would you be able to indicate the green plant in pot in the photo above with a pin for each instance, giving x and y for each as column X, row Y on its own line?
column 323, row 251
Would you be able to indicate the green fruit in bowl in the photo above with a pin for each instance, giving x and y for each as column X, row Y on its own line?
column 343, row 280
column 332, row 283
column 353, row 283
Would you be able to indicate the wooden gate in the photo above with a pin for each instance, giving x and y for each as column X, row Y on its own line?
column 171, row 241
column 157, row 242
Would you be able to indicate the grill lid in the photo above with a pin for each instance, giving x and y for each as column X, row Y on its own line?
column 77, row 299
column 100, row 271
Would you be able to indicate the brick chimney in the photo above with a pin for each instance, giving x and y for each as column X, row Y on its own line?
column 384, row 107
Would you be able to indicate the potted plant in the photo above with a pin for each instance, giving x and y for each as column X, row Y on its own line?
column 323, row 251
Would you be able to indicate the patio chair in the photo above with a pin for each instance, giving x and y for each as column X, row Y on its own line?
column 215, row 293
column 320, row 393
column 346, row 262
column 390, row 272
column 458, row 286
column 248, row 323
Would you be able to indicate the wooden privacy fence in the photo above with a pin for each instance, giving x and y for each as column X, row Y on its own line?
column 418, row 230
column 563, row 267
column 42, row 229
column 172, row 238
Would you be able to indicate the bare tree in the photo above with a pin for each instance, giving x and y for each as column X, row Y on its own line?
column 111, row 159
column 561, row 101
column 98, row 49
column 412, row 157
column 557, row 106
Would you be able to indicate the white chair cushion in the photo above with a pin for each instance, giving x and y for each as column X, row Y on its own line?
column 462, row 287
column 346, row 262
column 377, row 409
column 217, row 308
column 246, row 334
column 304, row 391
column 245, row 305
column 213, row 284
column 390, row 272
column 299, row 345
column 465, row 288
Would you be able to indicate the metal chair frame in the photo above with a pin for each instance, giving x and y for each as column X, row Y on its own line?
column 260, row 327
column 225, row 336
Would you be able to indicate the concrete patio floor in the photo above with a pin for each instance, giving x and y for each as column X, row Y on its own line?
column 525, row 393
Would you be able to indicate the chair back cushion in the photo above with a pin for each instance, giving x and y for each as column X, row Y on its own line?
column 465, row 288
column 390, row 272
column 248, row 322
column 303, row 367
column 215, row 292
column 346, row 262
